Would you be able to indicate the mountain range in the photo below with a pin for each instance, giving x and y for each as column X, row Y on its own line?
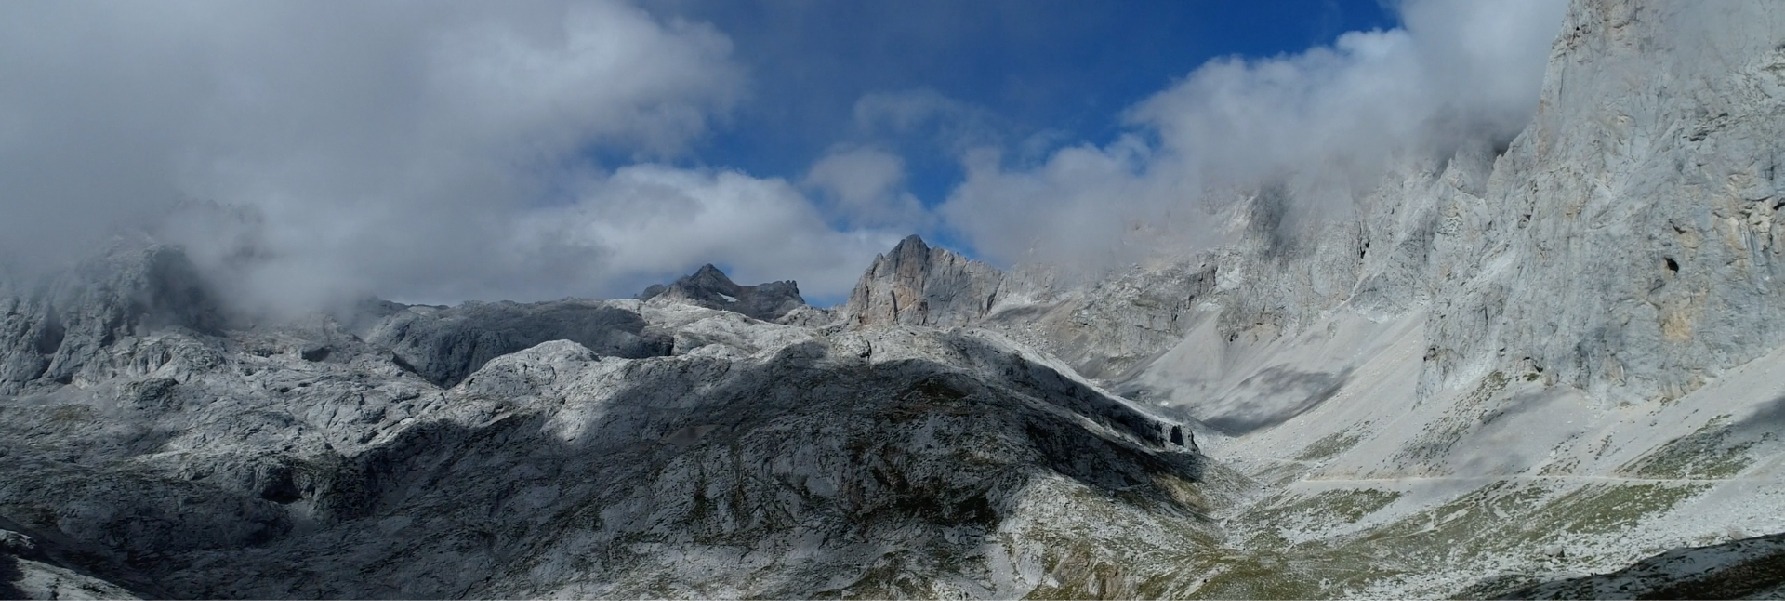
column 1548, row 367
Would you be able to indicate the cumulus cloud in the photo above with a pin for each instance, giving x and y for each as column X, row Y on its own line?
column 864, row 187
column 658, row 220
column 952, row 124
column 1322, row 122
column 313, row 151
column 450, row 150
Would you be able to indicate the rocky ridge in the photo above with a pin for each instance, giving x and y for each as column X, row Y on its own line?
column 1513, row 365
column 678, row 444
column 711, row 288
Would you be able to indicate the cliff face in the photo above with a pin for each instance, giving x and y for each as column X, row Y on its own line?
column 1628, row 243
column 1582, row 321
column 916, row 284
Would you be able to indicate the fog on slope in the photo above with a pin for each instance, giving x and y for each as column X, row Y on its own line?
column 1319, row 126
column 432, row 152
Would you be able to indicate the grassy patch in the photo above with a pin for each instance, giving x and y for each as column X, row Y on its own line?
column 1705, row 454
column 1607, row 508
column 1329, row 445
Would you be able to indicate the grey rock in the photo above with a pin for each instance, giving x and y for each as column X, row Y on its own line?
column 916, row 284
column 445, row 345
column 1105, row 329
column 1657, row 136
column 726, row 457
column 50, row 332
column 1621, row 250
column 709, row 287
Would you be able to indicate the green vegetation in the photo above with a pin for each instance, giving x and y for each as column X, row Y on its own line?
column 1490, row 522
column 1704, row 454
column 1330, row 445
column 1332, row 507
column 1606, row 508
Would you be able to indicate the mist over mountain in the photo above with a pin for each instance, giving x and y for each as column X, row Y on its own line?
column 1480, row 303
column 309, row 157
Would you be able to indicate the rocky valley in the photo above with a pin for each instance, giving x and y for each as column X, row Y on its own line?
column 1548, row 367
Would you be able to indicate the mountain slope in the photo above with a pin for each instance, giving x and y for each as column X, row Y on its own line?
column 739, row 458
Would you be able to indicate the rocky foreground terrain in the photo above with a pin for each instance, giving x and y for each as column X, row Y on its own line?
column 1552, row 366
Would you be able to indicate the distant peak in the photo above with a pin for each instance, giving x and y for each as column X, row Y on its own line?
column 708, row 275
column 913, row 242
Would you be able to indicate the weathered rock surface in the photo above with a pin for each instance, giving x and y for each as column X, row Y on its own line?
column 711, row 288
column 1103, row 329
column 916, row 284
column 51, row 331
column 736, row 458
column 446, row 344
column 1628, row 243
column 32, row 567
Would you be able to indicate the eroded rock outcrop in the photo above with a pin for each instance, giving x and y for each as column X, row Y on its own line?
column 917, row 284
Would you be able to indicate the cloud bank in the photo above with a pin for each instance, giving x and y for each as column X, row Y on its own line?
column 428, row 151
column 1324, row 121
column 308, row 153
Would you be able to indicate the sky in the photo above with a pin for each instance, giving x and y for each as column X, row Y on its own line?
column 307, row 153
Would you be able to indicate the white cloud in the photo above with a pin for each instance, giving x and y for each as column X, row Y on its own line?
column 904, row 110
column 440, row 151
column 863, row 187
column 383, row 147
column 657, row 221
column 954, row 125
column 1323, row 121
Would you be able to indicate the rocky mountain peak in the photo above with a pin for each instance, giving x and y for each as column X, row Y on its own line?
column 708, row 275
column 709, row 287
column 918, row 284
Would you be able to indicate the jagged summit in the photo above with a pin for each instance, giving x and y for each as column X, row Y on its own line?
column 918, row 284
column 711, row 288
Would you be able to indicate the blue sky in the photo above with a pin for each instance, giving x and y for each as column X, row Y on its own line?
column 311, row 153
column 1058, row 71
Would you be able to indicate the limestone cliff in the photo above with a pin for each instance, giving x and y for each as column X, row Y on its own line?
column 916, row 284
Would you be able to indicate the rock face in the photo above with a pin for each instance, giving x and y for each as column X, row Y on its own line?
column 61, row 326
column 1576, row 330
column 919, row 285
column 708, row 287
column 444, row 345
column 37, row 567
column 1656, row 135
column 680, row 451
